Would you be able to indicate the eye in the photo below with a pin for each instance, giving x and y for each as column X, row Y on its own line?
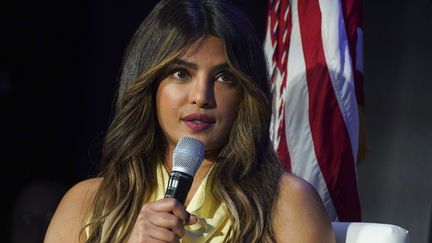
column 180, row 74
column 226, row 77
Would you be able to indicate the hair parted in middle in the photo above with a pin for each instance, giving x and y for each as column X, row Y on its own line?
column 246, row 174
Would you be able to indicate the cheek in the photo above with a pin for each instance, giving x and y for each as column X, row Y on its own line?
column 168, row 101
column 229, row 102
column 162, row 102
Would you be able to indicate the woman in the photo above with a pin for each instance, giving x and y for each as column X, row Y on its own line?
column 193, row 68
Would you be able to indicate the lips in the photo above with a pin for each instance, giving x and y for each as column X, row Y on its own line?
column 198, row 122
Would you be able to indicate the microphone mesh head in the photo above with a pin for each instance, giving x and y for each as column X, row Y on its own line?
column 188, row 155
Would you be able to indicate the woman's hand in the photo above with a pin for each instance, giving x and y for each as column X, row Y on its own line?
column 161, row 221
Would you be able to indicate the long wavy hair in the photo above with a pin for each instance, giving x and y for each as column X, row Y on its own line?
column 246, row 173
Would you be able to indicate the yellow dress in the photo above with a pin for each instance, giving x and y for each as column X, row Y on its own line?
column 213, row 223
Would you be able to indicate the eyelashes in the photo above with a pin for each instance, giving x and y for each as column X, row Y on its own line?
column 223, row 76
column 180, row 74
column 226, row 77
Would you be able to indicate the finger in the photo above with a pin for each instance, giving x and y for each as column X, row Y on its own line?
column 153, row 240
column 162, row 234
column 191, row 220
column 170, row 221
column 170, row 205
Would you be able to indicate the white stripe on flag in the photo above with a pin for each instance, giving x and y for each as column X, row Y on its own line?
column 299, row 139
column 336, row 51
column 272, row 67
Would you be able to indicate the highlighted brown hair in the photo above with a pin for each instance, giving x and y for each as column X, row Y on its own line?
column 246, row 173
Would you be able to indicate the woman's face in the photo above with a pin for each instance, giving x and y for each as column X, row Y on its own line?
column 199, row 97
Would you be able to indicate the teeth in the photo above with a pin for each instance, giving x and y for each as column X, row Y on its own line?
column 197, row 121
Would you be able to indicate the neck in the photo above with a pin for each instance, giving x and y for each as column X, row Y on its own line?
column 199, row 176
column 209, row 159
column 207, row 163
column 203, row 169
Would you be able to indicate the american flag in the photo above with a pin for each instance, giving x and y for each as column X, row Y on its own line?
column 314, row 50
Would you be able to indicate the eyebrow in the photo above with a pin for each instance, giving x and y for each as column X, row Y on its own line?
column 195, row 66
column 185, row 63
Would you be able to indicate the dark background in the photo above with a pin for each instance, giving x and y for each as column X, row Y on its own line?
column 59, row 64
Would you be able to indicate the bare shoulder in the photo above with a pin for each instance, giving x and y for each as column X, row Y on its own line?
column 71, row 213
column 299, row 214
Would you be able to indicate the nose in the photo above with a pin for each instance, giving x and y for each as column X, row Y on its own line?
column 202, row 93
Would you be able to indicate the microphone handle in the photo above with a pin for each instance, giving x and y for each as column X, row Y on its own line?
column 179, row 185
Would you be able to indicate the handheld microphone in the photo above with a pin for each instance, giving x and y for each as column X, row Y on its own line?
column 187, row 158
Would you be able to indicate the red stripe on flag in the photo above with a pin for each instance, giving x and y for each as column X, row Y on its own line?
column 282, row 149
column 280, row 24
column 282, row 45
column 353, row 12
column 330, row 136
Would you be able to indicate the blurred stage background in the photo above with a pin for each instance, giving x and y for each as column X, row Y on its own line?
column 59, row 63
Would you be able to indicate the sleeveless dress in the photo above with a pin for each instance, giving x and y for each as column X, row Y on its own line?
column 213, row 222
